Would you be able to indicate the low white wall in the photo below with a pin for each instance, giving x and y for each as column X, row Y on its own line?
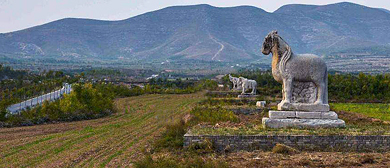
column 16, row 108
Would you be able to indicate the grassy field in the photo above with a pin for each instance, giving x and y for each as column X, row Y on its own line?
column 361, row 119
column 253, row 126
column 379, row 111
column 115, row 141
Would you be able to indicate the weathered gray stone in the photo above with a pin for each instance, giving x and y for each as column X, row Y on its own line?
column 302, row 119
column 304, row 92
column 304, row 77
column 246, row 96
column 261, row 103
column 329, row 115
column 247, row 84
column 303, row 107
column 281, row 114
column 308, row 115
column 302, row 115
column 234, row 80
column 243, row 84
column 332, row 143
column 305, row 88
column 302, row 123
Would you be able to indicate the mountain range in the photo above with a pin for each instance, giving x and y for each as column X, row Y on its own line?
column 204, row 32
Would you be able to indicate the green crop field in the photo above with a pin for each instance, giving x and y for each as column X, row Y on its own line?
column 374, row 110
column 112, row 141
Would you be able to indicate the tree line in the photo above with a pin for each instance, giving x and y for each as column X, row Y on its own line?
column 364, row 88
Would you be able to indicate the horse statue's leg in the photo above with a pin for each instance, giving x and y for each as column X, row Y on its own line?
column 321, row 92
column 287, row 86
column 255, row 88
column 243, row 89
column 254, row 85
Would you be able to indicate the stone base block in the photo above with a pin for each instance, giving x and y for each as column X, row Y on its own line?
column 302, row 123
column 303, row 107
column 281, row 114
column 261, row 103
column 247, row 96
column 302, row 115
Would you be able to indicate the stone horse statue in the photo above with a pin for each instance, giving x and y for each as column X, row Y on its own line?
column 247, row 84
column 288, row 67
column 234, row 80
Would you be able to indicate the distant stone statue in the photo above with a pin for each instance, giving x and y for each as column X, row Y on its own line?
column 304, row 77
column 235, row 83
column 247, row 84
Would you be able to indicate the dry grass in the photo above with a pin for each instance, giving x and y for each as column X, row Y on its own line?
column 269, row 159
column 115, row 141
column 304, row 159
column 284, row 149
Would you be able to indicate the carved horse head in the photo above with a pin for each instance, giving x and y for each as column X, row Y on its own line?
column 269, row 42
column 279, row 48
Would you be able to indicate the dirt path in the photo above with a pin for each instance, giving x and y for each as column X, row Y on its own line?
column 107, row 142
column 219, row 51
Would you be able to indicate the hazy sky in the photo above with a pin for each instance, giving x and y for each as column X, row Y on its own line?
column 21, row 14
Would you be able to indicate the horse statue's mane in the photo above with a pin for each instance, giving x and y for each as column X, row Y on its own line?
column 286, row 55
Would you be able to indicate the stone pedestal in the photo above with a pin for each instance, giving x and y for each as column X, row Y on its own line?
column 246, row 96
column 302, row 119
column 303, row 107
column 303, row 111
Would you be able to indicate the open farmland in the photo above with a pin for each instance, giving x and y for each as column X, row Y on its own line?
column 113, row 141
column 124, row 138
